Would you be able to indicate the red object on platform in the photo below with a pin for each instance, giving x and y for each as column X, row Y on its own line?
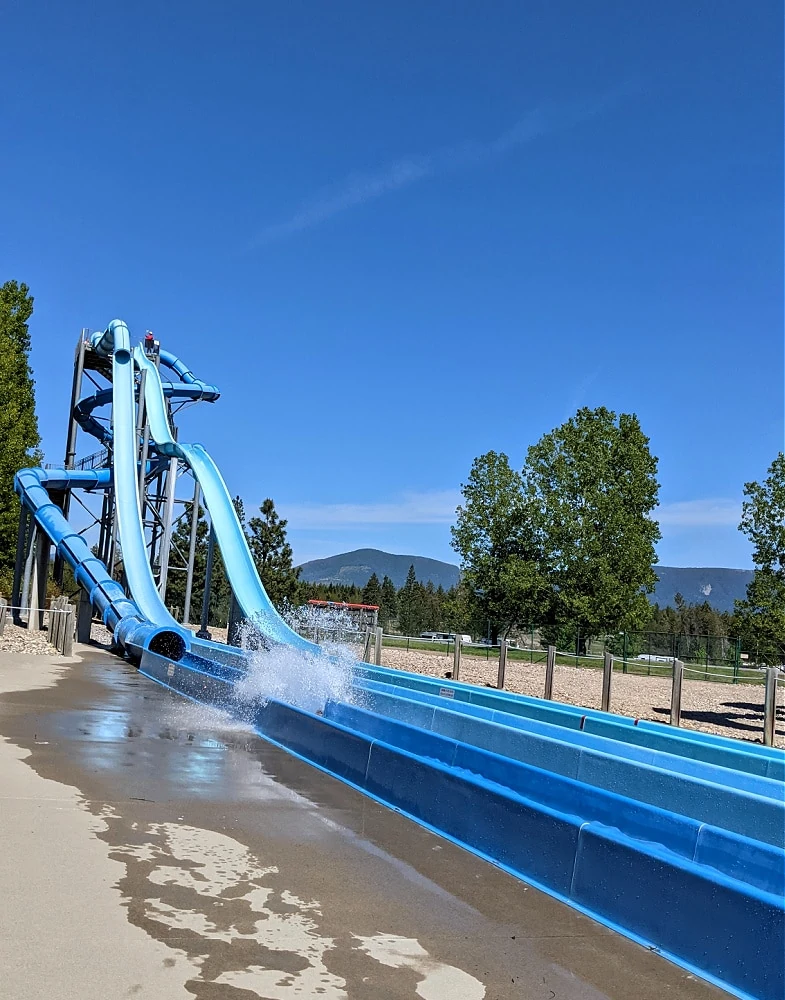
column 345, row 604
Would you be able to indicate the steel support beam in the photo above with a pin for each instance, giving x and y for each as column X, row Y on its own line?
column 189, row 580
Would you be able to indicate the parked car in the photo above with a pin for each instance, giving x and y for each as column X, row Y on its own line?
column 444, row 637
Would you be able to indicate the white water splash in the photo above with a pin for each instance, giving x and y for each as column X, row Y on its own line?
column 299, row 677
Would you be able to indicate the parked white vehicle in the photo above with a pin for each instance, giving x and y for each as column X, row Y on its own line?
column 444, row 637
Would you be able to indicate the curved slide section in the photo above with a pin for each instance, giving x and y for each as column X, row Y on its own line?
column 119, row 613
column 240, row 568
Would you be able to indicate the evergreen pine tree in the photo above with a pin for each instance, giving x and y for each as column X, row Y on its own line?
column 389, row 602
column 410, row 605
column 18, row 423
column 372, row 592
column 273, row 555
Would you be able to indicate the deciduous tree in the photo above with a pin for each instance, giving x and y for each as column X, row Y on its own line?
column 499, row 559
column 590, row 489
column 761, row 616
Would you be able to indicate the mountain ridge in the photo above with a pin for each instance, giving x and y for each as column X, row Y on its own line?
column 718, row 585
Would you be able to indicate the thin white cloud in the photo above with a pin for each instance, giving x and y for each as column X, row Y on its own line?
column 436, row 507
column 711, row 512
column 360, row 188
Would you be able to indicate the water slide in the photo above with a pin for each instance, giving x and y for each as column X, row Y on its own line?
column 142, row 619
column 238, row 561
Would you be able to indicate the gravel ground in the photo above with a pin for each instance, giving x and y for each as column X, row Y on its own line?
column 18, row 640
column 734, row 710
column 102, row 635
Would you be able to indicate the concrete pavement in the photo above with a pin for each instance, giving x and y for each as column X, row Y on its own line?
column 152, row 849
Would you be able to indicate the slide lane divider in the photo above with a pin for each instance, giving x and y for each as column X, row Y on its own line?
column 753, row 758
column 511, row 734
column 717, row 926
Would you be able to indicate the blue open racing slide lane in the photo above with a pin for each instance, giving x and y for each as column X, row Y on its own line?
column 674, row 838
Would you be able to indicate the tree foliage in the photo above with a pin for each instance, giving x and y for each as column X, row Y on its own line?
column 568, row 543
column 389, row 602
column 410, row 606
column 220, row 590
column 590, row 488
column 18, row 423
column 372, row 591
column 273, row 554
column 761, row 616
column 499, row 561
column 270, row 550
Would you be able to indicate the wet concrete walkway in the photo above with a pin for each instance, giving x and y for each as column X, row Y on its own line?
column 151, row 849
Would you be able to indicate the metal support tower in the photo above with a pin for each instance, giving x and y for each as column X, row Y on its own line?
column 158, row 500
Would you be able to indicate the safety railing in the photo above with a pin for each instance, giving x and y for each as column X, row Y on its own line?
column 95, row 461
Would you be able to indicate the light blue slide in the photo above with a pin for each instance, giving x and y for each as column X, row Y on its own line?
column 238, row 561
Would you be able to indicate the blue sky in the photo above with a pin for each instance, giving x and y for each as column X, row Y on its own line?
column 397, row 236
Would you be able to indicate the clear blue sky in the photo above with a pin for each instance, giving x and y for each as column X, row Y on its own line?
column 397, row 236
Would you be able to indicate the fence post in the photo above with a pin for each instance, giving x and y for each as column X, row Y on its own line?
column 502, row 665
column 62, row 608
column 607, row 676
column 549, row 665
column 377, row 646
column 456, row 658
column 367, row 645
column 64, row 605
column 68, row 630
column 54, row 623
column 3, row 612
column 770, row 706
column 52, row 630
column 84, row 618
column 678, row 677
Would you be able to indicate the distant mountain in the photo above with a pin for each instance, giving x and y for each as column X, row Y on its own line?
column 356, row 567
column 720, row 587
